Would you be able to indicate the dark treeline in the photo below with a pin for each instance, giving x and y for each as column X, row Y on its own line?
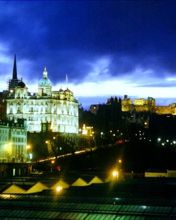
column 108, row 116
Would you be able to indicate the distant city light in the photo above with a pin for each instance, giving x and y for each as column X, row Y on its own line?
column 158, row 139
column 144, row 206
column 87, row 130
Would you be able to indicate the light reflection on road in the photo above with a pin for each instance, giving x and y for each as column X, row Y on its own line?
column 68, row 154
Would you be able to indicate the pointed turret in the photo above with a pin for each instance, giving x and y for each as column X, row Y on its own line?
column 14, row 81
column 14, row 69
column 45, row 73
column 45, row 85
column 66, row 79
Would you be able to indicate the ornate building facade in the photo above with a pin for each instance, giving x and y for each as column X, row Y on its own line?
column 56, row 111
column 13, row 141
column 138, row 105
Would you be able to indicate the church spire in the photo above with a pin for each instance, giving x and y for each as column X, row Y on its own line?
column 14, row 69
column 14, row 81
column 66, row 79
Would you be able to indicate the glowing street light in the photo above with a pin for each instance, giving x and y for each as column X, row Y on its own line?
column 115, row 174
column 8, row 147
column 53, row 161
column 120, row 161
column 59, row 189
column 28, row 147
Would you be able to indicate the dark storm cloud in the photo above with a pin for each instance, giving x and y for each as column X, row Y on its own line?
column 69, row 37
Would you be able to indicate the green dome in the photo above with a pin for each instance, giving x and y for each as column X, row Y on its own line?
column 45, row 82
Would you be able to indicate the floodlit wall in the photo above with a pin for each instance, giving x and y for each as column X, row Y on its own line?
column 155, row 174
column 13, row 142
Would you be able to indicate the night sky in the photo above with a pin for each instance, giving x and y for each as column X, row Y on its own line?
column 106, row 48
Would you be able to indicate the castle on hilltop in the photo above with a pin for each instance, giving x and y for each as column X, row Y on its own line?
column 147, row 105
column 140, row 105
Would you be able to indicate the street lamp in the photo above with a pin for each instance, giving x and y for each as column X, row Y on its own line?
column 59, row 189
column 53, row 161
column 120, row 161
column 28, row 147
column 115, row 174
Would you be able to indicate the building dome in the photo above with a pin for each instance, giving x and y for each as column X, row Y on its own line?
column 45, row 82
column 45, row 85
column 21, row 84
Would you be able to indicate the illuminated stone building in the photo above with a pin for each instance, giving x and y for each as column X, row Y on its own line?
column 166, row 110
column 138, row 105
column 127, row 104
column 147, row 105
column 13, row 141
column 56, row 111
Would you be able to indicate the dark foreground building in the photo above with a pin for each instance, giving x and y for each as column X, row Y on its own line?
column 137, row 199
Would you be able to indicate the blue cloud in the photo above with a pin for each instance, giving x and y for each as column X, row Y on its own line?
column 69, row 37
